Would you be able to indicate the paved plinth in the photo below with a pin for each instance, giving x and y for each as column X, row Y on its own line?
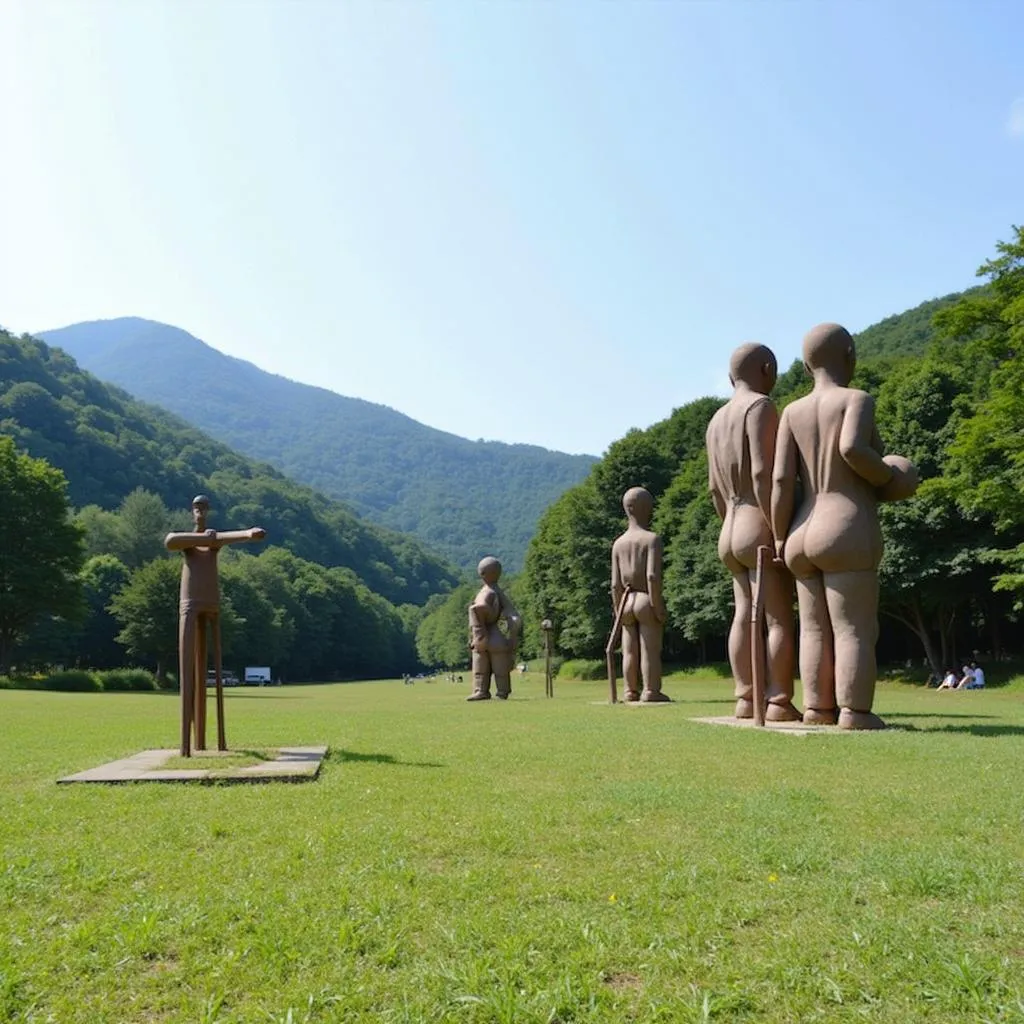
column 292, row 764
column 633, row 703
column 788, row 728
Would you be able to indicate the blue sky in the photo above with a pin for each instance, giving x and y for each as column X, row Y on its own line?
column 541, row 222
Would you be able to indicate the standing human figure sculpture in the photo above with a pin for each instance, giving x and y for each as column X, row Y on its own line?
column 831, row 540
column 636, row 592
column 198, row 610
column 741, row 454
column 494, row 651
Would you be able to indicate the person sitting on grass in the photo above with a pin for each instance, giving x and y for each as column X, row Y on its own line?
column 966, row 678
column 977, row 681
column 948, row 681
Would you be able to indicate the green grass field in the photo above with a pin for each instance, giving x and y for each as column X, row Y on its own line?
column 537, row 860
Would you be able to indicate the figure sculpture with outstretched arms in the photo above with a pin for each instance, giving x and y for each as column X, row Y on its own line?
column 198, row 611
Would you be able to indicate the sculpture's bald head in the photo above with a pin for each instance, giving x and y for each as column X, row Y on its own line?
column 489, row 570
column 639, row 504
column 830, row 348
column 200, row 508
column 755, row 365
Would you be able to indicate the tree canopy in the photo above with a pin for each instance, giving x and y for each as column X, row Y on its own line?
column 40, row 549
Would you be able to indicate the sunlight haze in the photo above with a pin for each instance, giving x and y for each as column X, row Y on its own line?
column 539, row 223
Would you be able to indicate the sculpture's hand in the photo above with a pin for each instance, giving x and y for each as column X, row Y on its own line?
column 660, row 613
column 212, row 534
column 780, row 550
column 257, row 533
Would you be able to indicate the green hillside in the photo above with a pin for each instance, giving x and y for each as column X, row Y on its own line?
column 462, row 498
column 108, row 444
column 908, row 333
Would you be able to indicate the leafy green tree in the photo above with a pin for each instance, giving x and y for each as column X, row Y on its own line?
column 102, row 531
column 40, row 549
column 146, row 608
column 987, row 455
column 144, row 522
column 103, row 576
column 442, row 640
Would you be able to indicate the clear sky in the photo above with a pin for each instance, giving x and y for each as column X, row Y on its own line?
column 527, row 221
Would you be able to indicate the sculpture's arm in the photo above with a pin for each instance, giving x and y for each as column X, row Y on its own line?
column 226, row 537
column 654, row 560
column 512, row 617
column 183, row 541
column 856, row 440
column 477, row 629
column 762, row 427
column 212, row 539
column 783, row 484
column 617, row 585
column 717, row 497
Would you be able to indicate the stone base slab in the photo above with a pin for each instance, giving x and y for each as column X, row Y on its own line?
column 789, row 728
column 292, row 764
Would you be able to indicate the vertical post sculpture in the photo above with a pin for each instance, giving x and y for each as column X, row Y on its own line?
column 199, row 610
column 758, row 654
column 613, row 642
column 549, row 680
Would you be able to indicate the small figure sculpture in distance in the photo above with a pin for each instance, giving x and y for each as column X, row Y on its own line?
column 494, row 650
column 199, row 607
column 828, row 444
column 741, row 454
column 637, row 600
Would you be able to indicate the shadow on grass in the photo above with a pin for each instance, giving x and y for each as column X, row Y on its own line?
column 931, row 714
column 351, row 755
column 971, row 730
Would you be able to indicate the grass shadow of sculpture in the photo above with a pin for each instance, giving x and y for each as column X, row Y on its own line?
column 341, row 756
column 984, row 731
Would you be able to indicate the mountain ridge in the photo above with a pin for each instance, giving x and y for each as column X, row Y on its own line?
column 461, row 497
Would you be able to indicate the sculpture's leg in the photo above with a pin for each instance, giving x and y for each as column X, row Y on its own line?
column 186, row 677
column 501, row 666
column 481, row 676
column 853, row 609
column 778, row 613
column 817, row 669
column 222, row 742
column 739, row 644
column 631, row 657
column 199, row 717
column 651, row 636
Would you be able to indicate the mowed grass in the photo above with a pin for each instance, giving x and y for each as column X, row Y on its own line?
column 535, row 860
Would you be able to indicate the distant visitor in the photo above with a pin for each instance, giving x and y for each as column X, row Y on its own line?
column 494, row 650
column 198, row 609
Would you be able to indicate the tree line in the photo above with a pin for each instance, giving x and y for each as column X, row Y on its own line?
column 97, row 589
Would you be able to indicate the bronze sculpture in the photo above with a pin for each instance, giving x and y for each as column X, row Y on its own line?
column 637, row 599
column 831, row 540
column 199, row 609
column 493, row 650
column 741, row 453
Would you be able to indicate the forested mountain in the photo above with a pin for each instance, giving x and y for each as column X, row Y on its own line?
column 108, row 444
column 464, row 499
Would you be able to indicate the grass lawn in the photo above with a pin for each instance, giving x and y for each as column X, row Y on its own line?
column 536, row 860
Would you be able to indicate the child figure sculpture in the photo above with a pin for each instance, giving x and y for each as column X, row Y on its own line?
column 637, row 599
column 494, row 651
column 198, row 609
